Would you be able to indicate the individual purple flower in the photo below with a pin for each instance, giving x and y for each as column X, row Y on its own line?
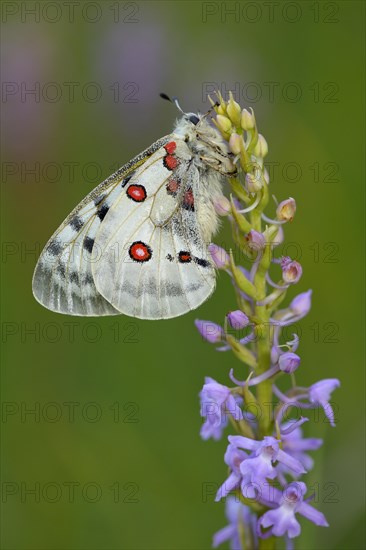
column 255, row 240
column 291, row 270
column 289, row 362
column 259, row 465
column 282, row 519
column 294, row 444
column 276, row 348
column 319, row 393
column 219, row 256
column 210, row 331
column 301, row 304
column 299, row 307
column 237, row 319
column 239, row 517
column 216, row 403
column 233, row 458
column 253, row 182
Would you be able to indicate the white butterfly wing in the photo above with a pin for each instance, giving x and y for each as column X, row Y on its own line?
column 63, row 279
column 154, row 263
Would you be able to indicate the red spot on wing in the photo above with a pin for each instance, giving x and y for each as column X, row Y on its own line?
column 172, row 186
column 184, row 257
column 136, row 193
column 170, row 162
column 188, row 200
column 170, row 147
column 140, row 252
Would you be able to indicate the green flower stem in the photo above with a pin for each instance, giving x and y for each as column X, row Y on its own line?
column 255, row 506
column 241, row 427
column 267, row 544
column 256, row 214
column 240, row 220
column 241, row 352
column 239, row 190
column 263, row 344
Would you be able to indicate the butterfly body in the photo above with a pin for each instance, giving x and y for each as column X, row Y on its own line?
column 137, row 244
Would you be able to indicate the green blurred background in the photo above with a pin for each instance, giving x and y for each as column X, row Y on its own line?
column 113, row 449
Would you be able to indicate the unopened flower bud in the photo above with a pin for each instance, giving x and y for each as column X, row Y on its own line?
column 261, row 147
column 219, row 256
column 291, row 270
column 289, row 362
column 247, row 120
column 252, row 183
column 235, row 143
column 213, row 103
column 301, row 304
column 233, row 111
column 223, row 123
column 237, row 319
column 220, row 109
column 222, row 206
column 210, row 331
column 286, row 210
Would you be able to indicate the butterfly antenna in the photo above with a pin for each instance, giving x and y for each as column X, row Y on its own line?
column 211, row 109
column 173, row 100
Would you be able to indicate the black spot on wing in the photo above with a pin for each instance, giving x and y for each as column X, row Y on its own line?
column 98, row 200
column 54, row 248
column 126, row 180
column 76, row 223
column 88, row 279
column 102, row 212
column 61, row 270
column 74, row 277
column 88, row 244
column 202, row 262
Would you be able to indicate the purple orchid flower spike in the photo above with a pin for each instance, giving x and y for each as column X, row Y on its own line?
column 216, row 403
column 267, row 449
column 319, row 393
column 282, row 520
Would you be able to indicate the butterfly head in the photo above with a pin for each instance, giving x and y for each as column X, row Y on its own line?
column 206, row 142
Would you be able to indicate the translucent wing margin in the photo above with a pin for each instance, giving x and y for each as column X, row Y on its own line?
column 63, row 279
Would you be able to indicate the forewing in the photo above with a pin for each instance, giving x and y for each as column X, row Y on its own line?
column 63, row 279
column 154, row 263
